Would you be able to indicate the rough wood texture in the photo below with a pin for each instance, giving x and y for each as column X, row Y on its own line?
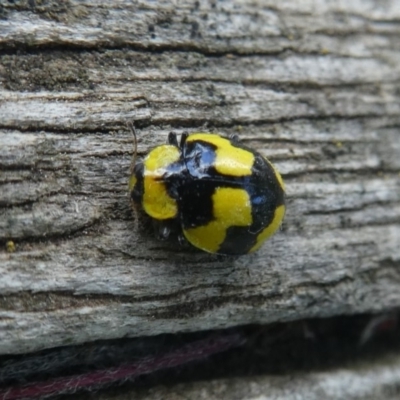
column 313, row 85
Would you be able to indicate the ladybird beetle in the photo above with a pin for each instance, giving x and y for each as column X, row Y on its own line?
column 224, row 197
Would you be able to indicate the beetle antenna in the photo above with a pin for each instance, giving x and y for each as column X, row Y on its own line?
column 131, row 126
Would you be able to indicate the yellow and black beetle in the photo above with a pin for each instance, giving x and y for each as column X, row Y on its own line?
column 224, row 197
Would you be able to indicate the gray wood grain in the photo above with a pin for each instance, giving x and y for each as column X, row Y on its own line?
column 315, row 86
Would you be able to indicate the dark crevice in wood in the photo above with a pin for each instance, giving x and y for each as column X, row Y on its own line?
column 351, row 32
column 391, row 264
column 61, row 300
column 350, row 210
column 362, row 172
column 280, row 349
column 16, row 167
column 54, row 237
column 18, row 47
column 54, row 300
column 194, row 124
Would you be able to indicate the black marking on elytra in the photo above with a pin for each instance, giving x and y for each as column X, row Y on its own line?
column 238, row 241
column 175, row 177
column 265, row 192
column 138, row 189
column 195, row 203
column 199, row 157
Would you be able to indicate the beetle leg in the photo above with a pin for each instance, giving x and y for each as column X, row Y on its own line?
column 182, row 240
column 172, row 139
column 162, row 230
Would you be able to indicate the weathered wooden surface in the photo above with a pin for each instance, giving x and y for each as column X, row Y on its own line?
column 313, row 85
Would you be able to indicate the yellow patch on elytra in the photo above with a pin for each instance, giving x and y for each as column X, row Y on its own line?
column 231, row 207
column 271, row 228
column 156, row 201
column 230, row 160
